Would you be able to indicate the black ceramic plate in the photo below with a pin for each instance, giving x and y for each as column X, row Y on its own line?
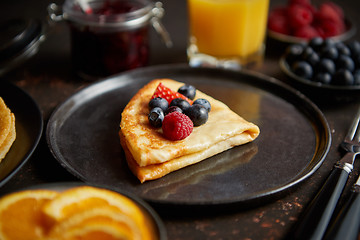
column 29, row 127
column 83, row 136
column 155, row 221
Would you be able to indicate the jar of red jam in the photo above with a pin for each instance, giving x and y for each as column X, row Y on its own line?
column 109, row 36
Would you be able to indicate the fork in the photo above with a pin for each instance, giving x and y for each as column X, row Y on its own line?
column 316, row 217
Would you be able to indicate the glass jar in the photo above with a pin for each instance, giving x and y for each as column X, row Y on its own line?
column 109, row 36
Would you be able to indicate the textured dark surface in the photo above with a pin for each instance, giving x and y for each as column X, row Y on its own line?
column 48, row 78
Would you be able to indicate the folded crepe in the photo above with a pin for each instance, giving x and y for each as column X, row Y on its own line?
column 7, row 129
column 150, row 155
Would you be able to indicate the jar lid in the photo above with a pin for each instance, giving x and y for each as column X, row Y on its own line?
column 19, row 40
column 122, row 15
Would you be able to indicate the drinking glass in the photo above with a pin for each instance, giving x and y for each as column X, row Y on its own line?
column 227, row 33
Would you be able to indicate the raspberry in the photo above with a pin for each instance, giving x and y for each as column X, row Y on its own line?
column 177, row 126
column 299, row 16
column 337, row 9
column 304, row 19
column 305, row 3
column 300, row 2
column 278, row 21
column 330, row 12
column 330, row 29
column 306, row 32
column 165, row 92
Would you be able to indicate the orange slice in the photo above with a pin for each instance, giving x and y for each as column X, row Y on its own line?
column 84, row 198
column 75, row 214
column 20, row 215
column 96, row 222
column 94, row 231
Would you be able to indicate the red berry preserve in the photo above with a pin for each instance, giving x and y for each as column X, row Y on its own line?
column 110, row 36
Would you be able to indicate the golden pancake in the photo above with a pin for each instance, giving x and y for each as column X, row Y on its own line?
column 5, row 121
column 219, row 165
column 7, row 129
column 150, row 155
column 9, row 140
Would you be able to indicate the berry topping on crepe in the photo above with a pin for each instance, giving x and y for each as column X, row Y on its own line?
column 177, row 126
column 158, row 102
column 165, row 92
column 165, row 101
column 173, row 109
column 198, row 114
column 203, row 102
column 188, row 91
column 181, row 103
column 156, row 117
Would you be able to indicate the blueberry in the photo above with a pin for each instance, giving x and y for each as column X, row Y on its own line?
column 343, row 77
column 156, row 117
column 316, row 43
column 307, row 51
column 325, row 61
column 302, row 69
column 356, row 60
column 313, row 59
column 158, row 102
column 293, row 53
column 322, row 77
column 357, row 77
column 354, row 47
column 181, row 103
column 345, row 62
column 329, row 52
column 310, row 56
column 173, row 109
column 326, row 65
column 204, row 103
column 328, row 42
column 343, row 49
column 198, row 114
column 188, row 91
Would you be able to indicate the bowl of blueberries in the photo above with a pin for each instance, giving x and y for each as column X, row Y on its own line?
column 324, row 66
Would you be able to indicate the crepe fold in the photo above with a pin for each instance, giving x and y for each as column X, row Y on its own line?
column 7, row 129
column 150, row 155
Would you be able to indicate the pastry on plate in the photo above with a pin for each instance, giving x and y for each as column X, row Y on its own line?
column 151, row 154
column 7, row 129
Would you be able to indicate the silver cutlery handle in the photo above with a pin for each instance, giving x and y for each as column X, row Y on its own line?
column 316, row 217
column 346, row 224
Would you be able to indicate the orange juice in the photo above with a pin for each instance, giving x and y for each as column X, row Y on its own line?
column 228, row 28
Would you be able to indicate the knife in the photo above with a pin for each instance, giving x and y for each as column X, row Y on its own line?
column 346, row 224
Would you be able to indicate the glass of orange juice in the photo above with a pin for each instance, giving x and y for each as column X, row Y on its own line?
column 227, row 33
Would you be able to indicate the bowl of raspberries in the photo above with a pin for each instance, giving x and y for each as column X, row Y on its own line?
column 324, row 64
column 300, row 21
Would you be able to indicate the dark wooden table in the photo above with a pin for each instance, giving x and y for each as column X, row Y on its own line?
column 48, row 78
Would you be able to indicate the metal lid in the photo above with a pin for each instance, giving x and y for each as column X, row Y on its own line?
column 19, row 40
column 134, row 18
